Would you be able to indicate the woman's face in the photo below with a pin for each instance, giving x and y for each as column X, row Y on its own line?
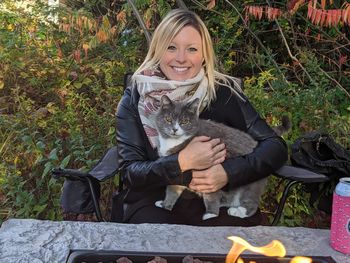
column 184, row 57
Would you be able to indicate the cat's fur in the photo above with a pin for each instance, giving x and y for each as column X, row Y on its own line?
column 177, row 123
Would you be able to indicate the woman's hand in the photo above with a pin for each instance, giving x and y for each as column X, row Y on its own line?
column 201, row 153
column 209, row 180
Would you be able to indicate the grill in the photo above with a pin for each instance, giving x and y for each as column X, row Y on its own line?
column 99, row 256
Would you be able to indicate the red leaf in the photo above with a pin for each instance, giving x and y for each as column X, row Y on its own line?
column 338, row 14
column 211, row 4
column 313, row 15
column 260, row 12
column 309, row 10
column 329, row 18
column 346, row 13
column 293, row 5
column 255, row 11
column 318, row 14
column 318, row 37
column 323, row 18
column 323, row 4
column 342, row 59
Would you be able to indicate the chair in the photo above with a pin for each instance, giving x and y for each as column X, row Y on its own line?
column 108, row 167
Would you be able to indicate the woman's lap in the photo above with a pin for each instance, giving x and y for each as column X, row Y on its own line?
column 190, row 212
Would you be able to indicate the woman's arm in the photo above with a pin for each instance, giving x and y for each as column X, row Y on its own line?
column 270, row 154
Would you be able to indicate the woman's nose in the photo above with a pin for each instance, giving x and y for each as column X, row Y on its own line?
column 181, row 56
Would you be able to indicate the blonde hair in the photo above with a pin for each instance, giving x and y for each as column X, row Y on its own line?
column 170, row 26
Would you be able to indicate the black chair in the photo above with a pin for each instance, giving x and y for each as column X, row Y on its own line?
column 108, row 167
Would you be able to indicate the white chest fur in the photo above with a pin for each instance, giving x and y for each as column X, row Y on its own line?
column 166, row 144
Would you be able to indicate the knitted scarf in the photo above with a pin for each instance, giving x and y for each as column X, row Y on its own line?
column 152, row 85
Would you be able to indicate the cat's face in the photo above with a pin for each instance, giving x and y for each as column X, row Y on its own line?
column 176, row 119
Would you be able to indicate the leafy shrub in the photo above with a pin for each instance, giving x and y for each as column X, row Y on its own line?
column 60, row 83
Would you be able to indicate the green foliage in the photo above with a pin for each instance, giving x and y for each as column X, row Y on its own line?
column 60, row 83
column 56, row 110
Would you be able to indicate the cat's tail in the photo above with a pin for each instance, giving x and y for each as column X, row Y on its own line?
column 285, row 126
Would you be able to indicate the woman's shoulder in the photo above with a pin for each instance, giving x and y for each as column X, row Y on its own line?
column 129, row 100
column 231, row 90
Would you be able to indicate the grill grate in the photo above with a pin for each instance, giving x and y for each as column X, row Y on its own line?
column 110, row 256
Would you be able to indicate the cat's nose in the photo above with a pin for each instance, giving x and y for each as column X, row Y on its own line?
column 175, row 130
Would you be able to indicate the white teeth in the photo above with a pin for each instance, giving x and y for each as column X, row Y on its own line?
column 179, row 69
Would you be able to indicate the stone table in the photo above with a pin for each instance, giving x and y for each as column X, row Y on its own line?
column 34, row 241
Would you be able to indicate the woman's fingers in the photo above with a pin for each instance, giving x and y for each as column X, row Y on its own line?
column 201, row 153
column 201, row 139
column 209, row 180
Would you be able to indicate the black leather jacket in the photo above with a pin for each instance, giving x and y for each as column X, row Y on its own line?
column 145, row 174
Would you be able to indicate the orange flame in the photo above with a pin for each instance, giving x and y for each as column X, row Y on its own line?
column 299, row 259
column 274, row 249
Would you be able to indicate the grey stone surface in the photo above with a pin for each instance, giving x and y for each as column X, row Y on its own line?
column 27, row 240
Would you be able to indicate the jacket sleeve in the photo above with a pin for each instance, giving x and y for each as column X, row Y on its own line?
column 141, row 167
column 270, row 154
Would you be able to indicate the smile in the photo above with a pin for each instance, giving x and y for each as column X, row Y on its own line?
column 180, row 69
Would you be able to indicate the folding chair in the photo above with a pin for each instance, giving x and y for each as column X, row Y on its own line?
column 108, row 167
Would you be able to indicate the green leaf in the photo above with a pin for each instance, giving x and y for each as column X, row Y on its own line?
column 40, row 145
column 39, row 208
column 78, row 85
column 48, row 167
column 53, row 155
column 65, row 161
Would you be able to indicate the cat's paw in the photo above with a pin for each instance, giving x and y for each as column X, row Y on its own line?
column 208, row 215
column 237, row 211
column 159, row 203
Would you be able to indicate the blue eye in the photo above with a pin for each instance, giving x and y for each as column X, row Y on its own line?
column 193, row 49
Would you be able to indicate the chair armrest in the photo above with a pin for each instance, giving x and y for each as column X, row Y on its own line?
column 107, row 167
column 300, row 175
column 71, row 174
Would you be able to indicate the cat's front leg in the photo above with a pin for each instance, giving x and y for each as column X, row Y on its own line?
column 212, row 204
column 172, row 193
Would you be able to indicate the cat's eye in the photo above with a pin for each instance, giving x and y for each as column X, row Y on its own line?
column 168, row 119
column 184, row 121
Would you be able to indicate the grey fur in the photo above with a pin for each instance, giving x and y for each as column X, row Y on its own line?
column 177, row 123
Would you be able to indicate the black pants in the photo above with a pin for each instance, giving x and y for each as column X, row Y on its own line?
column 189, row 212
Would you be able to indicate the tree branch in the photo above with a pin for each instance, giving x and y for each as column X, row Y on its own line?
column 140, row 20
column 259, row 41
column 301, row 66
column 181, row 4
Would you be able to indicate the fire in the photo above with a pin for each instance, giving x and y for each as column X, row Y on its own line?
column 299, row 259
column 274, row 249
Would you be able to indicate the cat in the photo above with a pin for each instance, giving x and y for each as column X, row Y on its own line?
column 177, row 123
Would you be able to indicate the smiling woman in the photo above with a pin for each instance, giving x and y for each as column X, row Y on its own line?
column 184, row 57
column 180, row 63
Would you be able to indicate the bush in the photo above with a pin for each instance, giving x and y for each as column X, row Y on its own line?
column 60, row 83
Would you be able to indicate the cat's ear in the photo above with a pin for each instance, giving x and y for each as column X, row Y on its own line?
column 165, row 101
column 193, row 105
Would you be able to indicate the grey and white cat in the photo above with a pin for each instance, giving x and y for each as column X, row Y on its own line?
column 177, row 123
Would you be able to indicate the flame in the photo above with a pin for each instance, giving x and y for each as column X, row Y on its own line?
column 274, row 249
column 299, row 259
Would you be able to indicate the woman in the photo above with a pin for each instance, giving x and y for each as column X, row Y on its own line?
column 181, row 63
